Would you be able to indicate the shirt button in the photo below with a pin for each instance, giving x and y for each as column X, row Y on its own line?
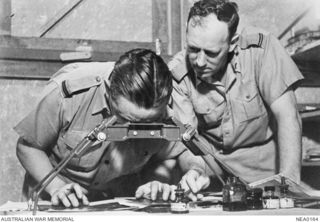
column 106, row 162
column 98, row 79
column 247, row 96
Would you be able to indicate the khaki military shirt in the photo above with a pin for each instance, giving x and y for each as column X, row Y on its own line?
column 234, row 114
column 72, row 104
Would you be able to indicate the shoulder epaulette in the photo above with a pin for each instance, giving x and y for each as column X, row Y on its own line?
column 256, row 40
column 81, row 76
column 179, row 72
column 71, row 86
column 178, row 66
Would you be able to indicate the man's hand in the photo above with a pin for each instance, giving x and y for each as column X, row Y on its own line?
column 154, row 189
column 194, row 181
column 69, row 195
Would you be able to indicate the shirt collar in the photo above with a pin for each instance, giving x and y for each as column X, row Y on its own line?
column 101, row 97
column 230, row 77
column 199, row 80
column 231, row 72
column 233, row 69
column 235, row 60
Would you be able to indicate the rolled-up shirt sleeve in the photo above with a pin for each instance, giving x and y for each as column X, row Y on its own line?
column 278, row 71
column 40, row 128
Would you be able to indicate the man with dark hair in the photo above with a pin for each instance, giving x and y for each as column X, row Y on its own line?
column 238, row 91
column 79, row 97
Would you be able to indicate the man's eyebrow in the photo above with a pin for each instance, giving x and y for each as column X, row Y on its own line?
column 193, row 47
column 212, row 51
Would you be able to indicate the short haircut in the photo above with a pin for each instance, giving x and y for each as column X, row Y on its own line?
column 224, row 10
column 143, row 78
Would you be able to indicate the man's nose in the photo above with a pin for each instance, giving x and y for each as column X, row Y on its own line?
column 201, row 59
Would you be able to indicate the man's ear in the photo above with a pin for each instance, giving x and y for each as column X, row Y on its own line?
column 233, row 42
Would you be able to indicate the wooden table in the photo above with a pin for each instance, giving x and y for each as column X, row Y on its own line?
column 19, row 208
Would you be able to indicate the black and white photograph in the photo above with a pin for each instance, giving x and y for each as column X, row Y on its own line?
column 188, row 109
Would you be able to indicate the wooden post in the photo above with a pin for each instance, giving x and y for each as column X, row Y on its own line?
column 159, row 23
column 5, row 17
column 166, row 24
column 174, row 26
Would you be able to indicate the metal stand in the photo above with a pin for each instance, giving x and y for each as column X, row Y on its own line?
column 107, row 131
column 82, row 146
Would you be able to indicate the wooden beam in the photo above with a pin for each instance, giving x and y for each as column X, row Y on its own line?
column 40, row 70
column 27, row 69
column 58, row 17
column 22, row 57
column 71, row 44
column 50, row 55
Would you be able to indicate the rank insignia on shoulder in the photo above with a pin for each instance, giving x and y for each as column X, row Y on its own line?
column 257, row 40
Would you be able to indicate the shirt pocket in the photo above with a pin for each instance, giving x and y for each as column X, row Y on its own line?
column 87, row 159
column 209, row 110
column 248, row 104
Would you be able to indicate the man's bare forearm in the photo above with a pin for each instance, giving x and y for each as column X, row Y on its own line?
column 37, row 164
column 289, row 139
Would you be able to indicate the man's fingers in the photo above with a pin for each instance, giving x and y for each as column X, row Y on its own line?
column 144, row 191
column 85, row 200
column 199, row 196
column 189, row 181
column 54, row 199
column 139, row 192
column 165, row 191
column 173, row 192
column 155, row 188
column 63, row 198
column 193, row 197
column 77, row 189
column 73, row 200
column 194, row 182
column 69, row 195
column 202, row 182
